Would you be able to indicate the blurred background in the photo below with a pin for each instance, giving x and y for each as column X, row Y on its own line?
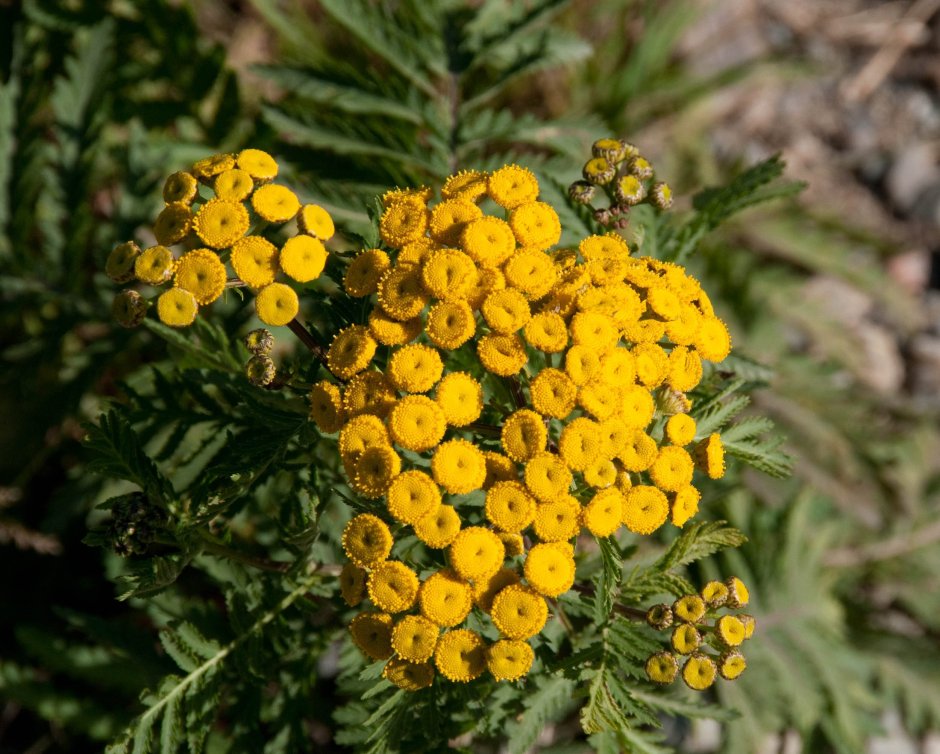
column 834, row 294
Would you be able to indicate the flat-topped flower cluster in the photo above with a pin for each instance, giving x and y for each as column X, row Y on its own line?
column 593, row 349
column 218, row 212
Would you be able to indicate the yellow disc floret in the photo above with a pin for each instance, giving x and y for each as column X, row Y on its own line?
column 460, row 655
column 477, row 553
column 277, row 304
column 393, row 586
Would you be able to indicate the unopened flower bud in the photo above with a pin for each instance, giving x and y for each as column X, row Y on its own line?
column 629, row 190
column 260, row 341
column 612, row 150
column 260, row 370
column 581, row 192
column 640, row 167
column 129, row 308
column 661, row 195
column 598, row 171
column 659, row 617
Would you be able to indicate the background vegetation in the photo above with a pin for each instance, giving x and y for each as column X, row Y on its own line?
column 99, row 101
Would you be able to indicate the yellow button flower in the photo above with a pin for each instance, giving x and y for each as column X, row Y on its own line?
column 604, row 513
column 369, row 392
column 254, row 260
column 499, row 468
column 559, row 520
column 350, row 352
column 121, row 262
column 276, row 204
column 364, row 272
column 221, row 222
column 458, row 466
column 202, row 273
column 488, row 241
column 645, row 509
column 549, row 570
column 731, row 665
column 672, row 470
column 180, row 187
column 414, row 638
column 415, row 368
column 410, row 676
column 503, row 355
column 439, row 528
column 450, row 324
column 509, row 506
column 506, row 311
column 401, row 292
column 680, row 429
column 684, row 505
column 326, row 407
column 367, row 540
column 662, row 668
column 393, row 586
column 155, row 265
column 512, row 186
column 535, row 225
column 448, row 274
column 699, row 672
column 547, row 332
column 547, row 476
column 316, row 221
column 509, row 659
column 391, row 332
column 417, row 423
column 519, row 612
column 277, row 304
column 553, row 393
column 375, row 468
column 460, row 398
column 531, row 272
column 445, row 599
column 258, row 164
column 173, row 223
column 177, row 308
column 303, row 258
column 460, row 655
column 713, row 341
column 686, row 639
column 476, row 553
column 411, row 496
column 467, row 184
column 485, row 590
column 709, row 456
column 450, row 218
column 403, row 221
column 352, row 584
column 235, row 185
column 372, row 634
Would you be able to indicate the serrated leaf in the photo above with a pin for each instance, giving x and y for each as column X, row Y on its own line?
column 542, row 705
column 699, row 541
column 114, row 451
column 609, row 579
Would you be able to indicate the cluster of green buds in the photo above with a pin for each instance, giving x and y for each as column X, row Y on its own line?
column 134, row 522
column 260, row 368
column 697, row 626
column 624, row 178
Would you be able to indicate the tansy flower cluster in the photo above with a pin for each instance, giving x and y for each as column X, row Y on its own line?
column 697, row 627
column 223, row 214
column 472, row 309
